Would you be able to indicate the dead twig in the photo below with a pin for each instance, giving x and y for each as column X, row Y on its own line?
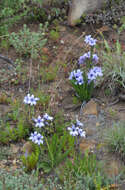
column 7, row 60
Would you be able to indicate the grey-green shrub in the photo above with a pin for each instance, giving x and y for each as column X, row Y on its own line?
column 115, row 138
column 113, row 60
column 19, row 180
column 28, row 43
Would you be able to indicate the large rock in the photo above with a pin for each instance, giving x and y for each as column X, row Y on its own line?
column 78, row 7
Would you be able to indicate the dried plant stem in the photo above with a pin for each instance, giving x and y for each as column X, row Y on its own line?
column 30, row 75
column 7, row 60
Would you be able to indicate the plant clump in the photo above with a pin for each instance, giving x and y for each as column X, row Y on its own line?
column 115, row 139
column 28, row 43
column 113, row 62
column 18, row 179
column 83, row 81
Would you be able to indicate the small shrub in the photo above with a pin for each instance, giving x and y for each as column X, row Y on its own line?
column 15, row 125
column 28, row 43
column 18, row 179
column 113, row 60
column 9, row 133
column 115, row 139
column 49, row 74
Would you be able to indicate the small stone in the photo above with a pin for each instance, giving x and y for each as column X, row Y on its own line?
column 90, row 108
column 61, row 41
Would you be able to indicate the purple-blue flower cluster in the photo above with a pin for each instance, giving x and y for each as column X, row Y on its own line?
column 37, row 138
column 94, row 73
column 89, row 40
column 75, row 129
column 91, row 75
column 30, row 100
column 41, row 122
column 86, row 57
column 77, row 76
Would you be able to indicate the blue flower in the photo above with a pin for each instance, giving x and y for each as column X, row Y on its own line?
column 39, row 122
column 71, row 75
column 86, row 56
column 33, row 136
column 95, row 58
column 77, row 76
column 47, row 117
column 27, row 99
column 79, row 124
column 83, row 58
column 89, row 40
column 37, row 138
column 79, row 80
column 30, row 99
column 97, row 71
column 91, row 76
column 77, row 73
column 94, row 73
column 92, row 42
column 73, row 130
column 33, row 100
column 81, row 133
